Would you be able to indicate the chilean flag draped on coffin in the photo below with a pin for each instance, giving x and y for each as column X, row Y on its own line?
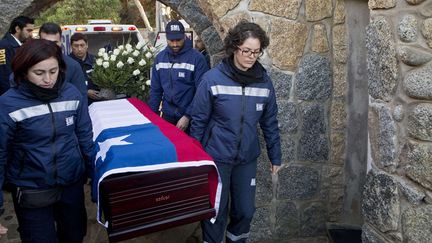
column 129, row 137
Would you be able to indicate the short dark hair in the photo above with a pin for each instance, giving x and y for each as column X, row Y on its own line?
column 243, row 30
column 33, row 52
column 50, row 28
column 78, row 37
column 21, row 22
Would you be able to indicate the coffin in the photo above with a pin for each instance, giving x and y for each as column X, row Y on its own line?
column 135, row 194
column 141, row 203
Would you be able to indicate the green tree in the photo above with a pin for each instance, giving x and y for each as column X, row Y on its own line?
column 79, row 11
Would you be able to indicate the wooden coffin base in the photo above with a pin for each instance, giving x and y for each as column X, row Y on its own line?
column 136, row 204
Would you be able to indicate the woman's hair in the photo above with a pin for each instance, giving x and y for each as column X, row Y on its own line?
column 33, row 52
column 242, row 31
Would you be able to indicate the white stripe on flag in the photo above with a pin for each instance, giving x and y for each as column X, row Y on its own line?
column 114, row 113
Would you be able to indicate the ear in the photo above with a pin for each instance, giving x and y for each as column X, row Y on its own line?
column 17, row 29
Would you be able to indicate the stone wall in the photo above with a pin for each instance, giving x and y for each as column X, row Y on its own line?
column 307, row 60
column 398, row 191
column 12, row 8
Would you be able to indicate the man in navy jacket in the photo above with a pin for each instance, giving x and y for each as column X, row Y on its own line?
column 176, row 74
column 74, row 73
column 20, row 30
column 79, row 46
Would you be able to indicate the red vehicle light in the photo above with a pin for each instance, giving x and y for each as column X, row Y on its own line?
column 99, row 28
column 131, row 28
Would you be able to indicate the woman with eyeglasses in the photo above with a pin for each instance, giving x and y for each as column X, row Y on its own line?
column 232, row 99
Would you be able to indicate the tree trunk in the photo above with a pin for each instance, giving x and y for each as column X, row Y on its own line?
column 143, row 15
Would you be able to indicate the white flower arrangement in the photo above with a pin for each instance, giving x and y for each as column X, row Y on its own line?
column 136, row 72
column 130, row 60
column 99, row 62
column 142, row 62
column 120, row 64
column 136, row 53
column 126, row 69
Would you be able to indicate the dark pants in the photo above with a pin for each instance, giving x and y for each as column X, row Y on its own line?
column 65, row 221
column 238, row 186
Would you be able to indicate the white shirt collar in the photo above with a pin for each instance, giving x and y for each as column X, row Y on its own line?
column 18, row 41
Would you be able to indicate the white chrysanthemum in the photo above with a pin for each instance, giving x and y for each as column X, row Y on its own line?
column 124, row 53
column 130, row 60
column 148, row 55
column 152, row 49
column 105, row 56
column 99, row 62
column 102, row 49
column 143, row 87
column 113, row 58
column 139, row 45
column 148, row 82
column 135, row 53
column 120, row 64
column 100, row 54
column 105, row 64
column 120, row 47
column 116, row 52
column 136, row 72
column 142, row 62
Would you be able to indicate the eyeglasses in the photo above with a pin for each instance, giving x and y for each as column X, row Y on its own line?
column 248, row 53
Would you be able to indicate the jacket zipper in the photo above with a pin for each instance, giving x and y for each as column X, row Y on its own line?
column 53, row 139
column 241, row 122
column 21, row 161
column 171, row 79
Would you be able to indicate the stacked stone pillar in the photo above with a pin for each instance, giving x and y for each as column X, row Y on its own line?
column 398, row 192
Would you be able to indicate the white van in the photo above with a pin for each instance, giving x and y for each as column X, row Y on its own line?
column 101, row 33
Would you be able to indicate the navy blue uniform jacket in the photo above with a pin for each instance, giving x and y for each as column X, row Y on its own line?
column 43, row 144
column 174, row 80
column 8, row 46
column 226, row 113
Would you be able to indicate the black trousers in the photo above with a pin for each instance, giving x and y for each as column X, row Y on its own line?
column 64, row 221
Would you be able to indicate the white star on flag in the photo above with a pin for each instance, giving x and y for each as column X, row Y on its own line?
column 106, row 145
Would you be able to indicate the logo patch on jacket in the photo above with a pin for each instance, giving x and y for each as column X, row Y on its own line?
column 182, row 75
column 259, row 106
column 69, row 121
column 2, row 56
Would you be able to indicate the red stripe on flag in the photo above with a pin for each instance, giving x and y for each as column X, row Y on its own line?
column 181, row 140
column 182, row 143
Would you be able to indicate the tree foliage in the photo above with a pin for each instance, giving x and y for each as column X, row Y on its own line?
column 79, row 11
